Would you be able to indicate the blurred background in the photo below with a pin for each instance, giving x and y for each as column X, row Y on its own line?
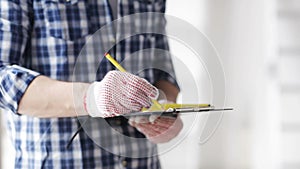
column 259, row 45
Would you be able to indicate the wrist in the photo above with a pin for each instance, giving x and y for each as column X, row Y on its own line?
column 90, row 100
column 79, row 92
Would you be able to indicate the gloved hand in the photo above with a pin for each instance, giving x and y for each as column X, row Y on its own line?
column 162, row 130
column 118, row 93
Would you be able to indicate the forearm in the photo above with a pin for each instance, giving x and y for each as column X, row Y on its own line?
column 47, row 98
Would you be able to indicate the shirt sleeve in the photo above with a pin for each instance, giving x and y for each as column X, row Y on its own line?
column 164, row 64
column 15, row 30
column 163, row 60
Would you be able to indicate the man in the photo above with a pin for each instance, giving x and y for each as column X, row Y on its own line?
column 40, row 42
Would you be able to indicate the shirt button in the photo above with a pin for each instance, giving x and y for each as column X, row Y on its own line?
column 68, row 0
column 124, row 163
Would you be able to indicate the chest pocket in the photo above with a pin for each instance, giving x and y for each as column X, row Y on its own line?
column 67, row 19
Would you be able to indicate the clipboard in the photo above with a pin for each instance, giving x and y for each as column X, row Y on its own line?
column 175, row 109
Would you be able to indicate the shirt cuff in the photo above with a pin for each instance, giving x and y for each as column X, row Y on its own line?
column 14, row 82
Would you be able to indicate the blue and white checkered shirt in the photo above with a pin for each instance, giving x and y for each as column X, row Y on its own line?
column 45, row 37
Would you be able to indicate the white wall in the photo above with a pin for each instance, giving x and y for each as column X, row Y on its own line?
column 244, row 34
column 289, row 40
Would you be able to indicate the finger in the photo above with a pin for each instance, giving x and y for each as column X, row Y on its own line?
column 118, row 108
column 131, row 104
column 147, row 130
column 141, row 119
column 135, row 94
column 144, row 86
column 158, row 125
column 152, row 118
column 165, row 122
column 139, row 97
column 131, row 121
column 155, row 129
column 136, row 120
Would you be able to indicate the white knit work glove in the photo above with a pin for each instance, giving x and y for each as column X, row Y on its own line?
column 118, row 93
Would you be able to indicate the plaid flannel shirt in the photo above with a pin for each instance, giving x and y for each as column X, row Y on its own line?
column 45, row 37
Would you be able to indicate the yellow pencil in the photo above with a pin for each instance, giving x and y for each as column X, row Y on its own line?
column 120, row 68
column 114, row 62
